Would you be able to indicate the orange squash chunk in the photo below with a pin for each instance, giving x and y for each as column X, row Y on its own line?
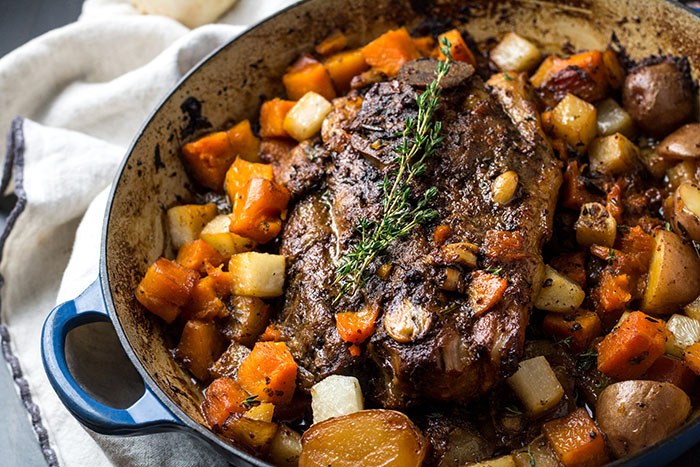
column 223, row 397
column 208, row 158
column 272, row 114
column 243, row 142
column 200, row 345
column 344, row 66
column 582, row 326
column 306, row 75
column 194, row 255
column 630, row 349
column 166, row 288
column 356, row 327
column 389, row 51
column 335, row 42
column 576, row 440
column 257, row 209
column 241, row 172
column 424, row 45
column 269, row 372
column 691, row 356
column 458, row 48
column 672, row 370
column 221, row 280
column 206, row 304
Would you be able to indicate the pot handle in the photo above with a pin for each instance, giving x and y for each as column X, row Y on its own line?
column 146, row 415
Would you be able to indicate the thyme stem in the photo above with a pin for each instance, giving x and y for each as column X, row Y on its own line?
column 420, row 137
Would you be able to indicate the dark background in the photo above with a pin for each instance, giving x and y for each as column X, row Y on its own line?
column 21, row 21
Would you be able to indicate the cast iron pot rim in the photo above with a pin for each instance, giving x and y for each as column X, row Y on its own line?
column 182, row 417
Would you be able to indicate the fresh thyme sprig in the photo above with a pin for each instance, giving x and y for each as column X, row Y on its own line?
column 420, row 136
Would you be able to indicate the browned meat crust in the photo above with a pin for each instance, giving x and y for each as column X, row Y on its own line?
column 459, row 356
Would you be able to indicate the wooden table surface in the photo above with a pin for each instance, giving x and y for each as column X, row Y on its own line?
column 20, row 21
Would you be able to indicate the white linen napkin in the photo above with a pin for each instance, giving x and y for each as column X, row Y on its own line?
column 81, row 93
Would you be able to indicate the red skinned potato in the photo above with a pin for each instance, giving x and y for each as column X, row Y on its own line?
column 635, row 414
column 685, row 216
column 368, row 438
column 684, row 143
column 659, row 98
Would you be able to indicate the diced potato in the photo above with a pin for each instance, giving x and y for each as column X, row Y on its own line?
column 384, row 436
column 595, row 226
column 336, row 395
column 187, row 221
column 514, row 53
column 228, row 363
column 306, row 117
column 685, row 330
column 536, row 386
column 655, row 164
column 216, row 234
column 611, row 119
column 686, row 171
column 559, row 293
column 692, row 309
column 674, row 274
column 504, row 461
column 686, row 211
column 574, row 121
column 286, row 447
column 257, row 274
column 538, row 453
column 612, row 154
column 256, row 434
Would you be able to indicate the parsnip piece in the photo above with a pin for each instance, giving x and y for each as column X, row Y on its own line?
column 336, row 395
column 612, row 154
column 611, row 119
column 216, row 234
column 286, row 447
column 574, row 121
column 306, row 117
column 514, row 53
column 186, row 222
column 257, row 274
column 538, row 452
column 536, row 386
column 559, row 293
column 595, row 226
column 685, row 330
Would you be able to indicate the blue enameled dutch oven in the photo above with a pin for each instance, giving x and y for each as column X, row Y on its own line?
column 229, row 86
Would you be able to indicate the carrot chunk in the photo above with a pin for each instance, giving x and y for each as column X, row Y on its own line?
column 271, row 333
column 583, row 75
column 335, row 42
column 458, row 48
column 576, row 440
column 223, row 397
column 582, row 326
column 357, row 326
column 389, row 51
column 200, row 345
column 269, row 372
column 243, row 142
column 257, row 209
column 165, row 288
column 308, row 75
column 611, row 296
column 630, row 349
column 573, row 192
column 691, row 356
column 206, row 304
column 194, row 255
column 241, row 172
column 344, row 66
column 667, row 369
column 208, row 158
column 221, row 279
column 272, row 115
column 485, row 291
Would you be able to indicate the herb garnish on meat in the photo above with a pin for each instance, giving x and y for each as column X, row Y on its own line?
column 420, row 137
